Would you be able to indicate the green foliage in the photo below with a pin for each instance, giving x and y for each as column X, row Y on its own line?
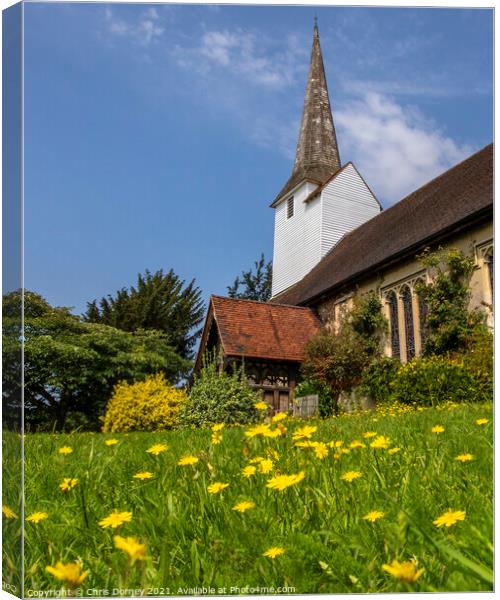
column 367, row 320
column 449, row 323
column 434, row 380
column 149, row 405
column 377, row 378
column 71, row 366
column 158, row 301
column 257, row 286
column 219, row 397
column 327, row 402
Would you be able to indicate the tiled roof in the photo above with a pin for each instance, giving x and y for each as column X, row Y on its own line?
column 462, row 193
column 259, row 329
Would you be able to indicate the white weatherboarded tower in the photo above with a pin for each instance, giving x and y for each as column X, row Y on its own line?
column 322, row 200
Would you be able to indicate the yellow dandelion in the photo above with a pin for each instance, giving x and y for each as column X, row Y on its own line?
column 351, row 476
column 273, row 453
column 216, row 438
column 449, row 518
column 256, row 430
column 357, row 444
column 381, row 441
column 131, row 546
column 464, row 457
column 393, row 450
column 281, row 482
column 157, row 449
column 217, row 487
column 217, row 427
column 482, row 421
column 189, row 459
column 369, row 434
column 36, row 517
column 274, row 552
column 261, row 406
column 111, row 442
column 8, row 512
column 266, row 466
column 273, row 433
column 143, row 475
column 437, row 429
column 243, row 506
column 279, row 416
column 304, row 432
column 67, row 484
column 336, row 444
column 256, row 459
column 65, row 450
column 115, row 519
column 71, row 573
column 405, row 571
column 249, row 471
column 373, row 515
column 321, row 451
column 306, row 444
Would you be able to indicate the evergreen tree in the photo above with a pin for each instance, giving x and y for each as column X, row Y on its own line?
column 158, row 301
column 255, row 286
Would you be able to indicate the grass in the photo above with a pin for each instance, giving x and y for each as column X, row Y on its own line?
column 195, row 539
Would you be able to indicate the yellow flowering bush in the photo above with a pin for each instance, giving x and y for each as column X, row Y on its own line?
column 149, row 405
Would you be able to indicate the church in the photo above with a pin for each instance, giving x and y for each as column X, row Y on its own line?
column 333, row 240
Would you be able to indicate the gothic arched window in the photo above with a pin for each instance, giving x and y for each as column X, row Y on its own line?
column 408, row 315
column 422, row 317
column 393, row 314
column 489, row 263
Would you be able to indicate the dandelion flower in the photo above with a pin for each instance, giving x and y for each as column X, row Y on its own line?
column 216, row 438
column 256, row 430
column 273, row 433
column 67, row 484
column 304, row 432
column 255, row 460
column 437, row 429
column 369, row 434
column 111, row 442
column 273, row 552
column 217, row 427
column 131, row 546
column 380, row 442
column 464, row 457
column 405, row 571
column 189, row 459
column 306, row 444
column 266, row 466
column 336, row 444
column 65, row 450
column 321, row 451
column 482, row 421
column 36, row 517
column 249, row 471
column 281, row 482
column 8, row 512
column 261, row 406
column 279, row 416
column 143, row 475
column 449, row 518
column 217, row 487
column 243, row 506
column 373, row 515
column 115, row 519
column 393, row 450
column 351, row 475
column 356, row 444
column 70, row 572
column 157, row 449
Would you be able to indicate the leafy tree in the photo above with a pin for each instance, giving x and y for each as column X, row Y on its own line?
column 448, row 323
column 159, row 301
column 255, row 286
column 71, row 367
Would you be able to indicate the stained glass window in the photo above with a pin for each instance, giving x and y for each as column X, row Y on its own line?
column 422, row 310
column 489, row 262
column 393, row 314
column 408, row 315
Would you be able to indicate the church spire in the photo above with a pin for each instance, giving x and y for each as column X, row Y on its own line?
column 317, row 154
column 317, row 144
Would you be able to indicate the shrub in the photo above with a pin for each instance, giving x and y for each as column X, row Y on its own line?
column 149, row 405
column 326, row 401
column 219, row 397
column 434, row 380
column 378, row 377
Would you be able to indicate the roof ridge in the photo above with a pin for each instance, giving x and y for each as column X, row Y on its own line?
column 267, row 303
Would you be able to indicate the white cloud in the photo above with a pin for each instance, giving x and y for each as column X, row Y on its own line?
column 394, row 147
column 143, row 31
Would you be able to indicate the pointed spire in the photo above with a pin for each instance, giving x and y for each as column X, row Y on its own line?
column 317, row 155
column 317, row 144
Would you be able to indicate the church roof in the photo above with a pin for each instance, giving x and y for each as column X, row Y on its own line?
column 259, row 329
column 317, row 154
column 440, row 207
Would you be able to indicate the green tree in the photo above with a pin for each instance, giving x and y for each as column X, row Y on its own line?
column 448, row 324
column 160, row 301
column 254, row 285
column 71, row 367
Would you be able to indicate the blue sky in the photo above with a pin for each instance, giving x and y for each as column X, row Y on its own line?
column 157, row 135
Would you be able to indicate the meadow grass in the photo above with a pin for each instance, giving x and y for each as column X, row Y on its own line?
column 195, row 539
